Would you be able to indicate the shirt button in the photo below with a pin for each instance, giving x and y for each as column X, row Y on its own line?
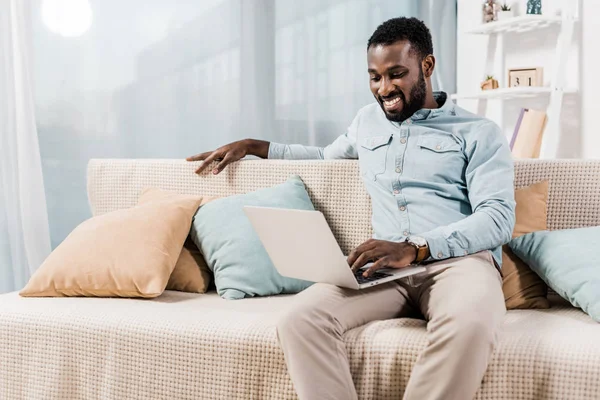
column 403, row 140
column 398, row 170
column 440, row 255
column 466, row 252
column 438, row 147
column 405, row 233
column 396, row 191
column 402, row 208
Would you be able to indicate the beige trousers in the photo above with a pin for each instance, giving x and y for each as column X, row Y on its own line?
column 461, row 298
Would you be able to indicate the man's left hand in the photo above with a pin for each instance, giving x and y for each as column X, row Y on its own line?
column 384, row 254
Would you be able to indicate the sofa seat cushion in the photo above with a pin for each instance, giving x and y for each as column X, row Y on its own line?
column 189, row 346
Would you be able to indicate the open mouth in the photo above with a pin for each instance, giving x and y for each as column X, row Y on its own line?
column 392, row 104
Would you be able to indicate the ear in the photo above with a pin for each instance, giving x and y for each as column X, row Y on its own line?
column 428, row 64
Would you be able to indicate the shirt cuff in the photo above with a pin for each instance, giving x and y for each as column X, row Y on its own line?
column 276, row 151
column 439, row 247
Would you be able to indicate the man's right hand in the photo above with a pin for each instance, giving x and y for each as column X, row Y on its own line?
column 230, row 153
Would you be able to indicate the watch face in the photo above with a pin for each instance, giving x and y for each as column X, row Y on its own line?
column 419, row 241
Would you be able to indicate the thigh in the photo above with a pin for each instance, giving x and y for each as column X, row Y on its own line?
column 470, row 286
column 350, row 308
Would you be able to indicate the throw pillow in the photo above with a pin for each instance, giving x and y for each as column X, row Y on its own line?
column 232, row 249
column 191, row 274
column 125, row 253
column 522, row 287
column 568, row 261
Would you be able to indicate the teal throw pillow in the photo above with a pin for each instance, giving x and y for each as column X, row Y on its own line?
column 568, row 261
column 233, row 250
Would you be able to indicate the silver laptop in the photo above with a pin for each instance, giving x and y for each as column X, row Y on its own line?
column 301, row 245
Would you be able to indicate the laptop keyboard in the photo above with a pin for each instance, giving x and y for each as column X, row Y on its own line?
column 377, row 275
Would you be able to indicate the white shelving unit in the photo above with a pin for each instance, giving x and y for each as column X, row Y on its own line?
column 522, row 23
column 510, row 93
column 556, row 90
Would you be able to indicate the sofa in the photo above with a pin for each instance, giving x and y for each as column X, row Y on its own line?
column 200, row 346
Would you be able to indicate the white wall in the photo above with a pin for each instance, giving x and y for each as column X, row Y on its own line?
column 590, row 87
column 534, row 49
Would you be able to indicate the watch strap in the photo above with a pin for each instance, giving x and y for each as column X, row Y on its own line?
column 421, row 251
column 421, row 254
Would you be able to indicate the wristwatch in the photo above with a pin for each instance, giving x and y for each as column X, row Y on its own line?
column 421, row 246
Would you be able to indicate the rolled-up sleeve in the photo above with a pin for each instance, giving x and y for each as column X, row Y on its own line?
column 490, row 183
column 344, row 147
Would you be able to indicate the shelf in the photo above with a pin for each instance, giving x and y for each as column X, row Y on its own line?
column 522, row 23
column 509, row 93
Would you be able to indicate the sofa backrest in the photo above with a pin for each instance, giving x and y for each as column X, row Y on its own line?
column 334, row 186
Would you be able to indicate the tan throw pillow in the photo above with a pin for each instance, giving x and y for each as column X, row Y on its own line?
column 522, row 287
column 191, row 274
column 125, row 253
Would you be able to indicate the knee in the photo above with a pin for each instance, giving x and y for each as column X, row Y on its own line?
column 302, row 322
column 470, row 328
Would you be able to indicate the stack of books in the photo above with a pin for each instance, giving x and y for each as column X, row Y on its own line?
column 526, row 140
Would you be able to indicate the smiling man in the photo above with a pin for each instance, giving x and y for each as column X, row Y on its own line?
column 441, row 185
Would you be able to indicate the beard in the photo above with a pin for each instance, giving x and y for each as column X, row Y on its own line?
column 418, row 94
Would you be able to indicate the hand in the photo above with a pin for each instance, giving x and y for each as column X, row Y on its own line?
column 384, row 254
column 230, row 153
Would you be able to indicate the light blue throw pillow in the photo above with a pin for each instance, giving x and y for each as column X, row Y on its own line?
column 568, row 261
column 233, row 250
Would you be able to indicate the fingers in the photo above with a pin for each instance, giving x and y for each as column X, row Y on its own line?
column 199, row 157
column 226, row 161
column 379, row 264
column 354, row 254
column 363, row 259
column 207, row 161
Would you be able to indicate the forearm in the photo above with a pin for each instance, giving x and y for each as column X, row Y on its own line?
column 258, row 148
column 294, row 152
column 485, row 229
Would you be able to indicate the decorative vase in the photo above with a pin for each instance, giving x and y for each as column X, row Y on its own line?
column 489, row 11
column 534, row 7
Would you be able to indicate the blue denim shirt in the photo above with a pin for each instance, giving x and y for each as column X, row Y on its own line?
column 444, row 174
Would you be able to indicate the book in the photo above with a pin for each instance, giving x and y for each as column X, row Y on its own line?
column 517, row 125
column 529, row 136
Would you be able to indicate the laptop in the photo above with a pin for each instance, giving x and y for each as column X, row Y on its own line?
column 301, row 245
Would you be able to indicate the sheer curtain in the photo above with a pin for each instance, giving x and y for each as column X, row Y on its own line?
column 440, row 17
column 24, row 235
column 152, row 78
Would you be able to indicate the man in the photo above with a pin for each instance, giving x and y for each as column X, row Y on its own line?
column 441, row 185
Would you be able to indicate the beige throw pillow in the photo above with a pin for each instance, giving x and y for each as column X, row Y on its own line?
column 522, row 287
column 125, row 253
column 191, row 274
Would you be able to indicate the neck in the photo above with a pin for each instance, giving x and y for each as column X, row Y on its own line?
column 430, row 101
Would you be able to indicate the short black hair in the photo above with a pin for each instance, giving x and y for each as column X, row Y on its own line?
column 411, row 29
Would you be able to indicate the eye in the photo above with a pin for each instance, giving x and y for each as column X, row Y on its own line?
column 375, row 78
column 398, row 76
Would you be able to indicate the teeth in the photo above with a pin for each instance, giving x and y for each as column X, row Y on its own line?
column 390, row 103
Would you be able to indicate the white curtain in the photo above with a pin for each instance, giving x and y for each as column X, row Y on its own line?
column 440, row 17
column 167, row 79
column 24, row 234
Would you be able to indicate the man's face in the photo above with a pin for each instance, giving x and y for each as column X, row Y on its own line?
column 396, row 80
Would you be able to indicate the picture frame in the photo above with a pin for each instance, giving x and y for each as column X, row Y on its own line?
column 525, row 77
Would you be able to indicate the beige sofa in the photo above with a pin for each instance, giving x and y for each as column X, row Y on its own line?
column 190, row 346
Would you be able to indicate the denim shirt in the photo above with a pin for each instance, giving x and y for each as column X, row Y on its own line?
column 444, row 174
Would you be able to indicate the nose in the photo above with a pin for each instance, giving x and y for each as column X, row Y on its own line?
column 385, row 87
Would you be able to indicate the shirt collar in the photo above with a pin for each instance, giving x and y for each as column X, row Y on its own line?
column 447, row 108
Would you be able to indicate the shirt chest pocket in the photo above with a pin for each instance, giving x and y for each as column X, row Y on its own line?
column 438, row 157
column 373, row 153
